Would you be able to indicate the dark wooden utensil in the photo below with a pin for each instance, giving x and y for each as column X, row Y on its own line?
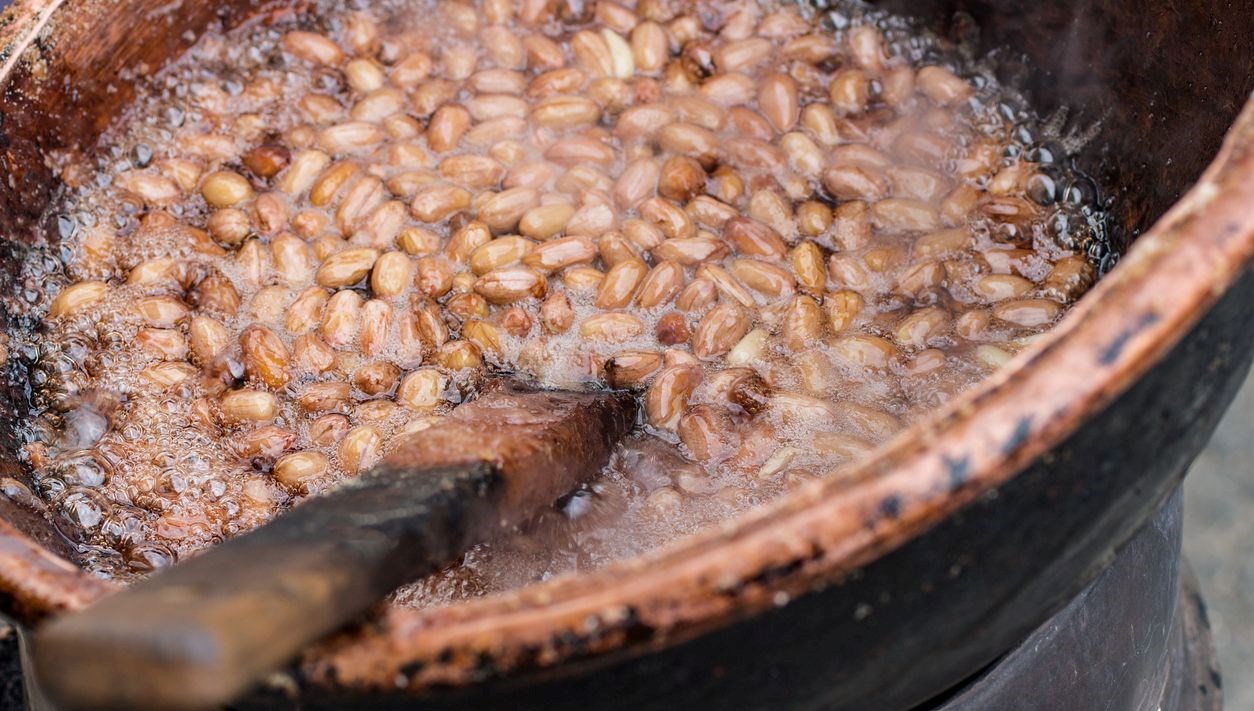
column 198, row 635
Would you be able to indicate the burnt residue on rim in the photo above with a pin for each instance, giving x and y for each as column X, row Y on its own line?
column 559, row 640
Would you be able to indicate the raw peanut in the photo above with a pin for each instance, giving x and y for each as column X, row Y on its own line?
column 209, row 338
column 359, row 201
column 779, row 102
column 360, row 449
column 154, row 271
column 612, row 327
column 867, row 351
column 160, row 311
column 807, row 264
column 640, row 122
column 253, row 261
column 306, row 311
column 422, row 389
column 502, row 211
column 719, row 330
column 660, row 285
column 556, row 314
column 743, row 54
column 465, row 241
column 248, row 405
column 751, row 348
column 225, row 189
column 350, row 137
column 727, row 285
column 730, row 89
column 459, row 355
column 631, row 369
column 296, row 471
column 163, row 343
column 341, row 317
column 690, row 252
column 667, row 398
column 672, row 220
column 328, row 429
column 850, row 91
column 681, row 178
column 900, row 214
column 505, row 286
column 753, row 238
column 560, row 253
column 920, row 328
column 591, row 219
column 592, row 54
column 229, row 226
column 688, row 139
column 168, row 373
column 843, row 308
column 565, row 112
column 376, row 324
column 303, row 171
column 813, row 218
column 804, row 155
column 329, row 396
column 437, row 202
column 346, row 268
column 153, row 189
column 803, row 323
column 391, row 274
column 487, row 336
column 433, row 276
column 619, row 285
column 711, row 212
column 265, row 442
column 448, row 125
column 329, row 183
column 851, row 225
column 638, row 181
column 942, row 86
column 1028, row 313
column 430, row 324
column 707, row 432
column 376, row 378
column 498, row 253
column 851, row 182
column 310, row 354
column 77, row 298
column 766, row 279
column 545, row 221
column 265, row 356
column 571, row 152
column 291, row 258
column 649, row 46
column 999, row 287
column 313, row 48
column 699, row 294
column 672, row 330
column 417, row 241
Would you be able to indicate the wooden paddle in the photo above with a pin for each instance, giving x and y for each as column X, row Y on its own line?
column 203, row 632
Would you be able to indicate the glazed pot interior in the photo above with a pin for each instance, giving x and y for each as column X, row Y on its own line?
column 1149, row 95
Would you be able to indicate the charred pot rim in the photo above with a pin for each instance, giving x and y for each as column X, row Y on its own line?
column 814, row 537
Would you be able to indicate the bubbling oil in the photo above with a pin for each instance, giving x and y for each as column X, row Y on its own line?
column 949, row 226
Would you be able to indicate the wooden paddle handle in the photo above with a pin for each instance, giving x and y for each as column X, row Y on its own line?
column 201, row 633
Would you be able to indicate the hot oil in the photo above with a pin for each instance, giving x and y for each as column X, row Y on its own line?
column 128, row 443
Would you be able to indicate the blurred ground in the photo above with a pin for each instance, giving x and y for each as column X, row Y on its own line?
column 1219, row 541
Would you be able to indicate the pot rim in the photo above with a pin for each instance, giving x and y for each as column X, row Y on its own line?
column 809, row 537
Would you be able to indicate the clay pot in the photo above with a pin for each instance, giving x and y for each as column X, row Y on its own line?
column 877, row 591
